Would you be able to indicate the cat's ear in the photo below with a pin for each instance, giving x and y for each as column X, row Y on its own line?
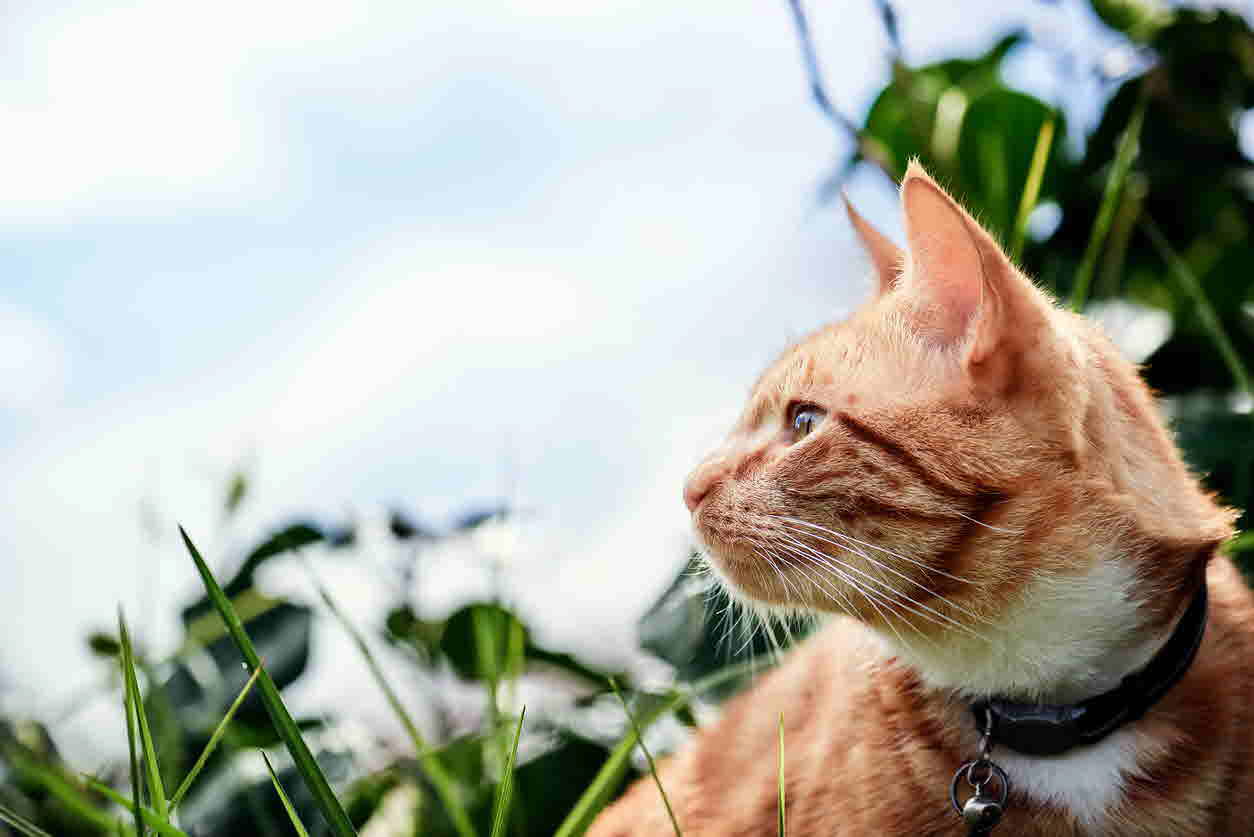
column 887, row 258
column 964, row 287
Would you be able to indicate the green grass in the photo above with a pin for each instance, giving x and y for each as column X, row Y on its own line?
column 505, row 790
column 23, row 826
column 287, row 803
column 218, row 732
column 284, row 725
column 648, row 757
column 1125, row 153
column 441, row 781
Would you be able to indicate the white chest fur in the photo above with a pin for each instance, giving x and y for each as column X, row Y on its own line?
column 1065, row 640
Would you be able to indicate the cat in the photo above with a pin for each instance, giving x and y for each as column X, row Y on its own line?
column 980, row 491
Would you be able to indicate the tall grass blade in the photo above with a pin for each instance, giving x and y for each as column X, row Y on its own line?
column 1205, row 311
column 597, row 794
column 218, row 732
column 501, row 812
column 137, row 788
column 441, row 782
column 648, row 757
column 154, row 822
column 783, row 829
column 287, row 803
column 1119, row 167
column 156, row 790
column 1032, row 186
column 308, row 767
column 24, row 826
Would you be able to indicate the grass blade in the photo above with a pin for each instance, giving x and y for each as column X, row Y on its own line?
column 24, row 826
column 597, row 794
column 287, row 803
column 150, row 816
column 501, row 812
column 1119, row 167
column 1205, row 311
column 218, row 732
column 648, row 757
column 1032, row 186
column 783, row 830
column 137, row 787
column 431, row 765
column 308, row 767
column 156, row 790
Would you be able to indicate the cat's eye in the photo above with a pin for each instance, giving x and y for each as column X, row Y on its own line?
column 804, row 419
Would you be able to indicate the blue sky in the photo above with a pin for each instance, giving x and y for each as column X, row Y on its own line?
column 376, row 251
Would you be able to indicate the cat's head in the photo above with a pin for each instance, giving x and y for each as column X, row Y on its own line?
column 957, row 439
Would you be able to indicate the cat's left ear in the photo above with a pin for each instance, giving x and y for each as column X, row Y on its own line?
column 964, row 288
column 886, row 257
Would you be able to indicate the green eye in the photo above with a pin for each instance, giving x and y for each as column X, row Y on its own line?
column 804, row 419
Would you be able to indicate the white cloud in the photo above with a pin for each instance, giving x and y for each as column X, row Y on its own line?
column 34, row 362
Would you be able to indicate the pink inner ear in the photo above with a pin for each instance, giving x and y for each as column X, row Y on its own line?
column 946, row 272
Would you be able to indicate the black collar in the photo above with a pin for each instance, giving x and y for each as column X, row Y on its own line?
column 1051, row 729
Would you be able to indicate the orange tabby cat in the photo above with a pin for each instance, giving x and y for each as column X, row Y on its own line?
column 983, row 483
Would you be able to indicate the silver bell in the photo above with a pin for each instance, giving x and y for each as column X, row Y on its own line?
column 981, row 812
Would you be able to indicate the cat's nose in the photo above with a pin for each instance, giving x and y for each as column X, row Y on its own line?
column 702, row 481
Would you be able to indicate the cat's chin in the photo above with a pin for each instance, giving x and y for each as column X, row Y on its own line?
column 745, row 576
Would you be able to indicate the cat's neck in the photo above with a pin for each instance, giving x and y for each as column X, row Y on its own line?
column 1064, row 639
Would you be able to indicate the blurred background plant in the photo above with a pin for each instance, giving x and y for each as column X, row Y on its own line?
column 1140, row 217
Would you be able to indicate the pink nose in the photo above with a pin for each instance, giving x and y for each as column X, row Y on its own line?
column 702, row 481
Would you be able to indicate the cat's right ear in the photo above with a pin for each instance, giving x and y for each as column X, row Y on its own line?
column 888, row 259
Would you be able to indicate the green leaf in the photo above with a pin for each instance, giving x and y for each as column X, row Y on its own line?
column 236, row 491
column 506, row 789
column 287, row 803
column 213, row 742
column 156, row 789
column 282, row 719
column 648, row 757
column 1140, row 20
column 23, row 825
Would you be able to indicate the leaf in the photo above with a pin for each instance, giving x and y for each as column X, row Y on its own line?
column 506, row 789
column 282, row 719
column 213, row 742
column 156, row 789
column 236, row 491
column 484, row 642
column 287, row 803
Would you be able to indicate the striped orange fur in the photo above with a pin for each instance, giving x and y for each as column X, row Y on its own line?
column 979, row 491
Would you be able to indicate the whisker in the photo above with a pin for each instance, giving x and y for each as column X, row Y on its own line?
column 822, row 556
column 870, row 595
column 876, row 547
column 899, row 574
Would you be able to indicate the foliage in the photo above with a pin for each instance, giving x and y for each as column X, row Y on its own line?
column 1154, row 211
